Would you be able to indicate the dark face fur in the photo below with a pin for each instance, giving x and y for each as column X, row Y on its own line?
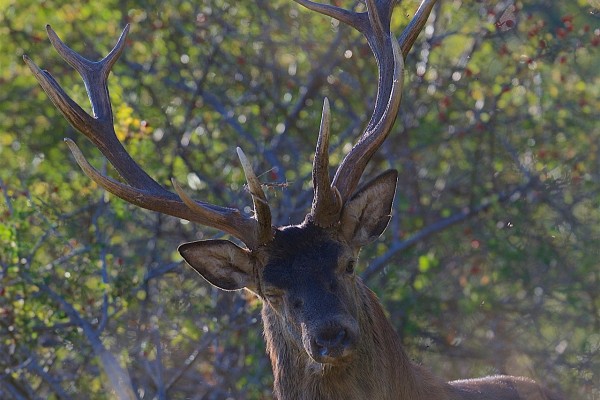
column 305, row 274
column 309, row 282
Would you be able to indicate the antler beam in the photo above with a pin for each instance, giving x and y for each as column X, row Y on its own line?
column 389, row 53
column 141, row 190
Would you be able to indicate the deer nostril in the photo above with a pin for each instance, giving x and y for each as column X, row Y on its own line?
column 340, row 336
column 331, row 339
column 297, row 304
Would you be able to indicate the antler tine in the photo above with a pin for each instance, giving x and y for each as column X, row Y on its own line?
column 98, row 94
column 353, row 165
column 378, row 30
column 415, row 26
column 327, row 202
column 223, row 218
column 141, row 190
column 261, row 206
column 351, row 18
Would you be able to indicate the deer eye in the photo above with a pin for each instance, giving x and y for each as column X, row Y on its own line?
column 273, row 298
column 350, row 266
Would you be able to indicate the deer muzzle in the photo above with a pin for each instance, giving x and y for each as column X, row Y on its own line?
column 332, row 343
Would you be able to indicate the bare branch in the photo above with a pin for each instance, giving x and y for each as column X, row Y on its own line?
column 379, row 263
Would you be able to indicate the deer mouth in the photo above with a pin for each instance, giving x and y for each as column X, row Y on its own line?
column 333, row 359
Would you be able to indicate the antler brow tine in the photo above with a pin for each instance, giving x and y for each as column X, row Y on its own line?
column 327, row 202
column 261, row 206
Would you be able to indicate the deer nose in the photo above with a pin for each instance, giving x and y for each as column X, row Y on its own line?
column 331, row 344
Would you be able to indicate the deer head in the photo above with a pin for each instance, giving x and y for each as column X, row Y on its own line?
column 304, row 273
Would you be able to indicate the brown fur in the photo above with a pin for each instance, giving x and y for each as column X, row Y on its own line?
column 380, row 369
column 501, row 387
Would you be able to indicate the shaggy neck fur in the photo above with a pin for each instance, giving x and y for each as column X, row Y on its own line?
column 380, row 370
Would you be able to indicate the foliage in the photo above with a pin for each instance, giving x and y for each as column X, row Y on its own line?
column 489, row 266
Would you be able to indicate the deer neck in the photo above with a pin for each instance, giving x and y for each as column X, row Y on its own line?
column 380, row 369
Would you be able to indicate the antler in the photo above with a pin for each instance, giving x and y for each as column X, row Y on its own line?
column 329, row 198
column 141, row 190
column 374, row 24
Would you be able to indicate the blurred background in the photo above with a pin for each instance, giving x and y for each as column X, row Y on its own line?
column 491, row 264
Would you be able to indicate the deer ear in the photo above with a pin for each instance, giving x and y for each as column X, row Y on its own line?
column 366, row 215
column 221, row 263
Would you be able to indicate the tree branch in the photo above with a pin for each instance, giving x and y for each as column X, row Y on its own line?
column 381, row 262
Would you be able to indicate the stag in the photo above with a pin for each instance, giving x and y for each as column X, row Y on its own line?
column 326, row 333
